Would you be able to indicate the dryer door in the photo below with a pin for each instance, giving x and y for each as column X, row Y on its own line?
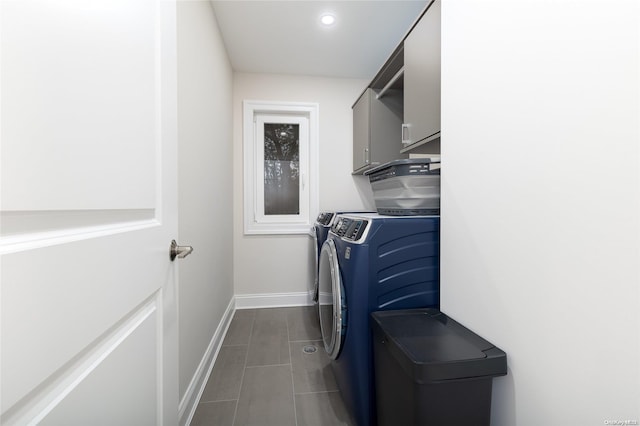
column 316, row 260
column 332, row 306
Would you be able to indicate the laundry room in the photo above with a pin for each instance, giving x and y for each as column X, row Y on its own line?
column 145, row 279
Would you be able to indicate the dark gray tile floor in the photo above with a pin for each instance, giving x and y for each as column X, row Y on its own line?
column 263, row 375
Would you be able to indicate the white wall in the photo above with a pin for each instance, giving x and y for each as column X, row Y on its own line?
column 540, row 191
column 279, row 264
column 205, row 192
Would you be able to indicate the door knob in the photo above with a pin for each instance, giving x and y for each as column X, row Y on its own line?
column 179, row 251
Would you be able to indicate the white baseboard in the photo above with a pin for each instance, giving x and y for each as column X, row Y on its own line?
column 189, row 402
column 273, row 300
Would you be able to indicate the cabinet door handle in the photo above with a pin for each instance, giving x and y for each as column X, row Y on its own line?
column 366, row 156
column 406, row 138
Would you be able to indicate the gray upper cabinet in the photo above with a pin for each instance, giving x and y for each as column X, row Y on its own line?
column 399, row 112
column 422, row 80
column 376, row 129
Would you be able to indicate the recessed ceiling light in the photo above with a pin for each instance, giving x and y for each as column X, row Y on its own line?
column 328, row 19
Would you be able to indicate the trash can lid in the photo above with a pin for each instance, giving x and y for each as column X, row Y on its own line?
column 430, row 346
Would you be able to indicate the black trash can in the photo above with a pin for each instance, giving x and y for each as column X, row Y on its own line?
column 431, row 370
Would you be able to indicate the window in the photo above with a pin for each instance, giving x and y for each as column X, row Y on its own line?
column 280, row 167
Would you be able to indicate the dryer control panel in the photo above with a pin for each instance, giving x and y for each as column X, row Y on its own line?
column 324, row 218
column 349, row 229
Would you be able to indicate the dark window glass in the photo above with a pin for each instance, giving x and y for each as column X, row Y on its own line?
column 281, row 168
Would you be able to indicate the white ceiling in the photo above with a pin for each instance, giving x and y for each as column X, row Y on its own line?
column 286, row 37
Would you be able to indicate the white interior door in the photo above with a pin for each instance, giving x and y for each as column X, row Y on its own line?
column 88, row 210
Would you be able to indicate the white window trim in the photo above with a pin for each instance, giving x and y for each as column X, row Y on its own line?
column 253, row 222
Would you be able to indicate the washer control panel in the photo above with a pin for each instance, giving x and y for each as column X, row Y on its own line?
column 349, row 229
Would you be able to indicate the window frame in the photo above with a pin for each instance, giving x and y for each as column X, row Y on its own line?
column 259, row 223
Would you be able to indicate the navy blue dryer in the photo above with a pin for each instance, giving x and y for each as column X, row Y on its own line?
column 320, row 232
column 370, row 263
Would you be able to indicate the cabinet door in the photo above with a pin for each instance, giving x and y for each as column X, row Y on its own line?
column 386, row 119
column 422, row 79
column 376, row 139
column 361, row 136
